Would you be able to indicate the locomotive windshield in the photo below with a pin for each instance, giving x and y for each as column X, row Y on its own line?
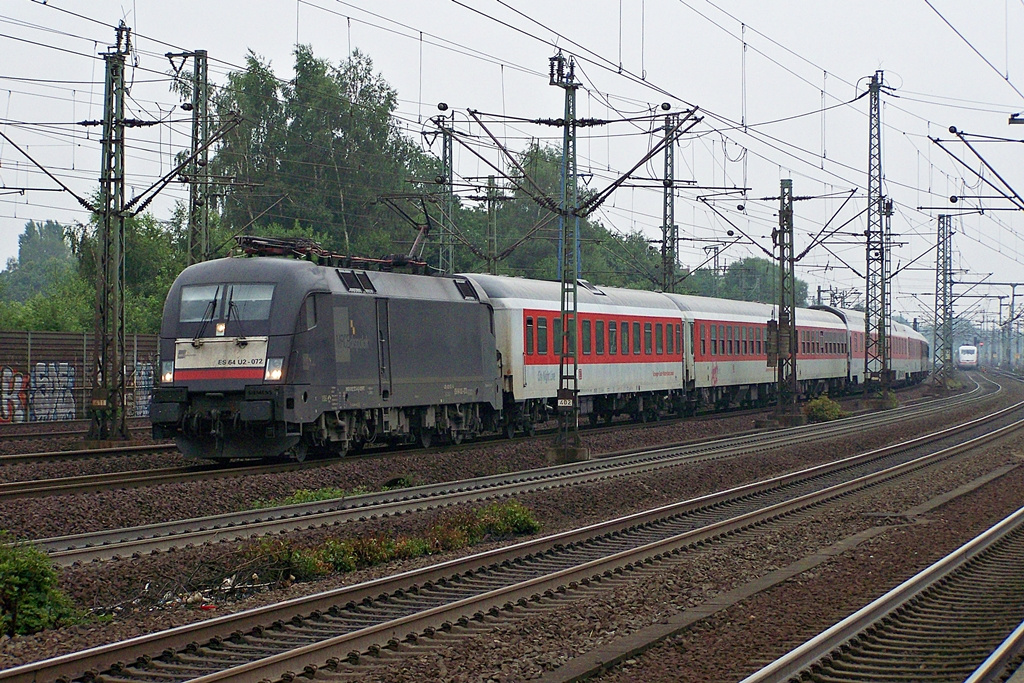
column 247, row 301
column 199, row 302
column 251, row 301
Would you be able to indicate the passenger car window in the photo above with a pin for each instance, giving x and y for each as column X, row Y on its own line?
column 542, row 336
column 529, row 336
column 613, row 341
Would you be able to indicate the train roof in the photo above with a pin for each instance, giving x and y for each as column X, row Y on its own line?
column 298, row 277
column 499, row 287
column 856, row 322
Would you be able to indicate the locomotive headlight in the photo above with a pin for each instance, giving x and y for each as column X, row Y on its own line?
column 167, row 372
column 220, row 329
column 274, row 370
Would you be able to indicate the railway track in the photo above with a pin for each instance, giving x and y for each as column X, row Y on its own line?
column 112, row 480
column 327, row 634
column 958, row 620
column 19, row 432
column 67, row 550
column 30, row 431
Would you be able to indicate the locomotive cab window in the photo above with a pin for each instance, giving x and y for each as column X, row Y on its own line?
column 250, row 302
column 307, row 314
column 199, row 302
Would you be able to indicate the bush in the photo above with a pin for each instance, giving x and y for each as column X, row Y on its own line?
column 823, row 409
column 507, row 519
column 29, row 598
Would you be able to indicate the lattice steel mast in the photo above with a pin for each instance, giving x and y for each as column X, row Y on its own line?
column 446, row 258
column 199, row 187
column 562, row 75
column 107, row 414
column 669, row 229
column 942, row 358
column 787, row 344
column 876, row 309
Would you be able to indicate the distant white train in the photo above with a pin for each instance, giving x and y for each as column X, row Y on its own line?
column 967, row 357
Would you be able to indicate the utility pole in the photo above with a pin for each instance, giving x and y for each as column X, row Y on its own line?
column 942, row 363
column 108, row 419
column 446, row 260
column 197, row 173
column 876, row 295
column 492, row 226
column 567, row 443
column 787, row 335
column 669, row 229
column 714, row 250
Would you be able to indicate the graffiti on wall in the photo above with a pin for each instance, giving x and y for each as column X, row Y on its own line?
column 139, row 407
column 47, row 394
column 14, row 390
column 52, row 394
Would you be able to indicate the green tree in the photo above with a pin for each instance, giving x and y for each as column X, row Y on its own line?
column 606, row 258
column 153, row 258
column 44, row 257
column 756, row 279
column 316, row 153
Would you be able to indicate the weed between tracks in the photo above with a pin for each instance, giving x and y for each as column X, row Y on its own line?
column 281, row 561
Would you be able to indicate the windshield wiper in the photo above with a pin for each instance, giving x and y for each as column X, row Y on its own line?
column 233, row 308
column 211, row 307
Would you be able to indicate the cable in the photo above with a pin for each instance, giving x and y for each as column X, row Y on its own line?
column 976, row 51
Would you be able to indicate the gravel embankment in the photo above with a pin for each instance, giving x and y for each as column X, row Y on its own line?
column 137, row 584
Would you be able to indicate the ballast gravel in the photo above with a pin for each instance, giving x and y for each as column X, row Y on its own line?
column 144, row 593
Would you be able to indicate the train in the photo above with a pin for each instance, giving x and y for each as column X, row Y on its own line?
column 967, row 357
column 287, row 350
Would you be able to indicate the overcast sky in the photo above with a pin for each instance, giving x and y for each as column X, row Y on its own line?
column 776, row 85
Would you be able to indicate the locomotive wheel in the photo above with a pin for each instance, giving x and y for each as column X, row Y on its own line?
column 457, row 437
column 531, row 429
column 510, row 430
column 299, row 451
column 426, row 438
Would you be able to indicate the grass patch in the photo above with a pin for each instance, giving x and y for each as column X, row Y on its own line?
column 280, row 561
column 329, row 493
